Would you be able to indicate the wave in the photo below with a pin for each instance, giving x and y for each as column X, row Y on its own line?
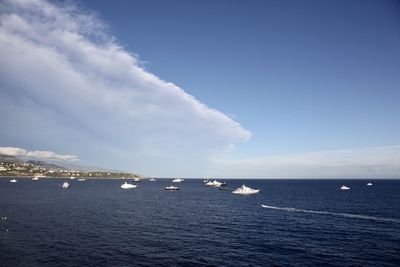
column 347, row 215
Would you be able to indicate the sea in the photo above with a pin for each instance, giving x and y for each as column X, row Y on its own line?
column 96, row 223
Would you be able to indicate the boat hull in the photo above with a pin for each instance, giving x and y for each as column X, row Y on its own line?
column 246, row 193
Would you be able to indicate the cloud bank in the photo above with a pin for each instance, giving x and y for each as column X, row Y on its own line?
column 375, row 162
column 68, row 86
column 45, row 155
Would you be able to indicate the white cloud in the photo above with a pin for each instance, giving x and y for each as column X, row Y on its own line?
column 46, row 155
column 75, row 89
column 375, row 162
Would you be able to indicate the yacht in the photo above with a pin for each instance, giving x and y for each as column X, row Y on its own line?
column 72, row 178
column 344, row 187
column 13, row 181
column 244, row 190
column 177, row 180
column 369, row 184
column 65, row 185
column 136, row 180
column 128, row 186
column 81, row 179
column 214, row 183
column 171, row 188
column 152, row 180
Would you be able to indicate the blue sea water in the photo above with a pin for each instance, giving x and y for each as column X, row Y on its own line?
column 95, row 223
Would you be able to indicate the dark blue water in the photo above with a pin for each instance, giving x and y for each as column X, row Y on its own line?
column 95, row 223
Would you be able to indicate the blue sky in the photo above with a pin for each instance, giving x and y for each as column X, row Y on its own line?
column 301, row 75
column 301, row 88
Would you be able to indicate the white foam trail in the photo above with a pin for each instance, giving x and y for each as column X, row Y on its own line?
column 347, row 215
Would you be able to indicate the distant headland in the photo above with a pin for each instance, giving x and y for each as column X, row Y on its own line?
column 13, row 166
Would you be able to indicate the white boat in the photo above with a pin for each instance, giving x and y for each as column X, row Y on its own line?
column 206, row 181
column 369, row 184
column 13, row 181
column 65, row 185
column 152, row 180
column 244, row 190
column 177, row 180
column 37, row 176
column 128, row 186
column 171, row 188
column 344, row 187
column 214, row 183
column 136, row 180
column 81, row 179
column 72, row 178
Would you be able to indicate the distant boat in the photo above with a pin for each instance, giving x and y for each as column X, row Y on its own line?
column 128, row 186
column 81, row 179
column 152, row 180
column 206, row 181
column 13, row 181
column 136, row 180
column 72, row 178
column 171, row 188
column 344, row 187
column 177, row 180
column 369, row 184
column 37, row 176
column 244, row 190
column 65, row 185
column 214, row 183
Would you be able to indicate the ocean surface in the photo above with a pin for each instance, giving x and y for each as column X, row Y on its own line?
column 96, row 223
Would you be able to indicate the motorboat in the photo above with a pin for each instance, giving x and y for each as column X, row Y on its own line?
column 244, row 190
column 65, row 185
column 152, row 180
column 37, row 176
column 171, row 188
column 214, row 183
column 13, row 181
column 369, row 184
column 136, row 180
column 72, row 178
column 344, row 187
column 81, row 179
column 177, row 180
column 209, row 183
column 128, row 186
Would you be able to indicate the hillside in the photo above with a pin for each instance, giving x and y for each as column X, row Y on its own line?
column 13, row 166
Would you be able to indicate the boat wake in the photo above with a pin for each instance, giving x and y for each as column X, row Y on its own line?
column 347, row 215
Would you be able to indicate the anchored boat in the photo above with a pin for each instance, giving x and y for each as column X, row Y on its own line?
column 171, row 188
column 65, row 185
column 244, row 190
column 344, row 187
column 128, row 186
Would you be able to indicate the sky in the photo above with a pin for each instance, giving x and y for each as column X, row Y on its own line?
column 249, row 89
